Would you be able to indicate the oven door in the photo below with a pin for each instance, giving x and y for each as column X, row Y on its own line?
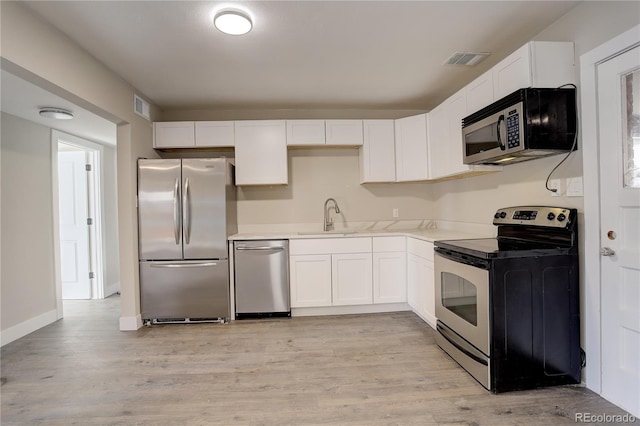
column 462, row 299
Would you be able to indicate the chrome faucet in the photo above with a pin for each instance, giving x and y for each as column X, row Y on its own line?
column 328, row 223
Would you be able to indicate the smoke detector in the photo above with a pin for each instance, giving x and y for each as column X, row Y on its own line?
column 466, row 58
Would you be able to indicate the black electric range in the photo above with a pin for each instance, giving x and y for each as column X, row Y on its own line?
column 508, row 307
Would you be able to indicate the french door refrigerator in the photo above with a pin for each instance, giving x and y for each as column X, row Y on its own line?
column 186, row 211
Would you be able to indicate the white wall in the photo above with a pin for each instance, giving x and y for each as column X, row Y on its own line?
column 27, row 286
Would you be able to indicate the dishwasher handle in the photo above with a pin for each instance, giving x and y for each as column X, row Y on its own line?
column 259, row 248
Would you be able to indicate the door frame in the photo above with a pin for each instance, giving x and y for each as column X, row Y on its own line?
column 96, row 191
column 591, row 174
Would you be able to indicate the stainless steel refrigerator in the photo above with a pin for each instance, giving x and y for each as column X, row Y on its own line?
column 186, row 211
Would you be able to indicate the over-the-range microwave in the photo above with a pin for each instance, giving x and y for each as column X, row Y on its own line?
column 529, row 123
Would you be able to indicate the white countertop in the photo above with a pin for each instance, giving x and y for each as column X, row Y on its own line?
column 429, row 235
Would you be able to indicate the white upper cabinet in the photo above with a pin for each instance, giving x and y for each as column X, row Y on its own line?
column 190, row 134
column 445, row 139
column 377, row 155
column 412, row 161
column 214, row 134
column 344, row 132
column 305, row 132
column 261, row 152
column 536, row 64
column 480, row 92
column 174, row 134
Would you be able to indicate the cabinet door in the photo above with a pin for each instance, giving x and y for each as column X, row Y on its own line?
column 174, row 134
column 412, row 161
column 305, row 132
column 261, row 152
column 344, row 132
column 456, row 111
column 377, row 155
column 430, row 293
column 480, row 92
column 310, row 280
column 413, row 269
column 512, row 73
column 352, row 279
column 390, row 277
column 438, row 137
column 214, row 134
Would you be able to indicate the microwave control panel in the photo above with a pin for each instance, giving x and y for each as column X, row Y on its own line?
column 513, row 128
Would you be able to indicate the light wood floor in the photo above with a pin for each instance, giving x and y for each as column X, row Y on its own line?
column 382, row 369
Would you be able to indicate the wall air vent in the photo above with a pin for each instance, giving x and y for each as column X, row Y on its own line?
column 466, row 58
column 141, row 107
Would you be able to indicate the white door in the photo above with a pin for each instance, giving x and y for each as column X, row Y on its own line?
column 74, row 232
column 619, row 124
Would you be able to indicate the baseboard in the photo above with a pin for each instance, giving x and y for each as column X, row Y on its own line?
column 111, row 289
column 429, row 319
column 130, row 323
column 347, row 310
column 26, row 327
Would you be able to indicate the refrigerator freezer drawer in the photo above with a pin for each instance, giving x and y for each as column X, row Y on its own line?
column 184, row 289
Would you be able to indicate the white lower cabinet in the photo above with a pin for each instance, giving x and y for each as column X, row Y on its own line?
column 421, row 279
column 310, row 280
column 389, row 270
column 330, row 272
column 351, row 278
column 327, row 272
column 390, row 277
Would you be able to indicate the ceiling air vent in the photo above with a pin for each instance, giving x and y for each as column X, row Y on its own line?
column 141, row 107
column 466, row 58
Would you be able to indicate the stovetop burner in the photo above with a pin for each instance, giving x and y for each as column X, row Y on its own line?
column 523, row 232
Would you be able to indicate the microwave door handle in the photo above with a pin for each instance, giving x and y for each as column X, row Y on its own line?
column 500, row 122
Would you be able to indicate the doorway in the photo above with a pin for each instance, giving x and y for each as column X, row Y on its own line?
column 611, row 143
column 79, row 200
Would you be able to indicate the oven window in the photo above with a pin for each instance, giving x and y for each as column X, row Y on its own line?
column 460, row 297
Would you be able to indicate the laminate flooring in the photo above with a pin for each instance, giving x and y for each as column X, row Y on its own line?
column 382, row 369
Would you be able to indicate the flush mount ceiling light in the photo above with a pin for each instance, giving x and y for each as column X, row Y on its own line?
column 56, row 113
column 232, row 21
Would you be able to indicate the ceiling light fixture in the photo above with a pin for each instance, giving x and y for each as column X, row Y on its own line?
column 56, row 113
column 232, row 21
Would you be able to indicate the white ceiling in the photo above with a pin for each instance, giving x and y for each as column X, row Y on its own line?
column 300, row 54
column 24, row 99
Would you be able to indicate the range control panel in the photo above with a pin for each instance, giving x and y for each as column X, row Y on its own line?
column 557, row 217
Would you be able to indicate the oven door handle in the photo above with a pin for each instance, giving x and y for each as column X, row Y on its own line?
column 454, row 340
column 467, row 260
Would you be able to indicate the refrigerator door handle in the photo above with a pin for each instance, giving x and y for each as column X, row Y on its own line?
column 183, row 265
column 176, row 211
column 187, row 213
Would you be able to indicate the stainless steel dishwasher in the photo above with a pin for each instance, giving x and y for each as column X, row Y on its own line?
column 262, row 278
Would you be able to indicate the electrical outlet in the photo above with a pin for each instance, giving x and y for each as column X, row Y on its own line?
column 555, row 184
column 396, row 213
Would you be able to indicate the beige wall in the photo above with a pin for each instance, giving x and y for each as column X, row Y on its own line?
column 316, row 174
column 27, row 286
column 110, row 220
column 37, row 52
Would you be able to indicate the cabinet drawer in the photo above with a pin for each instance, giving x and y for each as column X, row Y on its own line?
column 420, row 248
column 389, row 244
column 330, row 246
